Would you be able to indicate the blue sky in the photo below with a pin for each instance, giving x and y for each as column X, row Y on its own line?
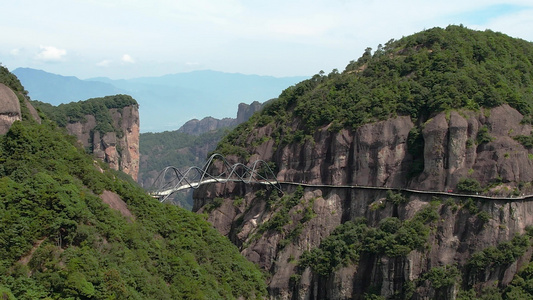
column 134, row 38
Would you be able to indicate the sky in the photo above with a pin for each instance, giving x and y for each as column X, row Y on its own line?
column 123, row 39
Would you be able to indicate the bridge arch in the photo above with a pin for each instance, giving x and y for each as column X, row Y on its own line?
column 171, row 180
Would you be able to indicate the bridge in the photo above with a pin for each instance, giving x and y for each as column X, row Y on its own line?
column 172, row 180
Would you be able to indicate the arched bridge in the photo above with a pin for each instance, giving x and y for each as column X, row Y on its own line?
column 172, row 180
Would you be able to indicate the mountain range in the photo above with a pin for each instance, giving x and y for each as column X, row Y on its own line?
column 408, row 175
column 166, row 102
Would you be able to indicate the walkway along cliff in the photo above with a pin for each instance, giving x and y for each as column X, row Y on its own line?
column 403, row 119
column 274, row 232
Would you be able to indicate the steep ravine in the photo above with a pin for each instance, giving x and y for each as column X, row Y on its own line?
column 457, row 145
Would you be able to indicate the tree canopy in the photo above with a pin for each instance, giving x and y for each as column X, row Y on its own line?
column 419, row 75
column 77, row 111
column 58, row 239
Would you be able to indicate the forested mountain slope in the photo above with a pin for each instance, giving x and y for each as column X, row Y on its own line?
column 418, row 76
column 445, row 110
column 60, row 237
column 108, row 127
column 405, row 84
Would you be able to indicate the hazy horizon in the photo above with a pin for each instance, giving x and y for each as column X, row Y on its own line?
column 131, row 39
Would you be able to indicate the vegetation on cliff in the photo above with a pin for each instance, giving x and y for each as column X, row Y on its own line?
column 354, row 241
column 58, row 239
column 11, row 80
column 419, row 75
column 76, row 111
column 347, row 242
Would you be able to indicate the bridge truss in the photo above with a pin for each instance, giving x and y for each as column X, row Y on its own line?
column 171, row 179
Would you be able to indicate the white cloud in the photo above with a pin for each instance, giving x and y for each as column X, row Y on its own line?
column 15, row 51
column 128, row 59
column 104, row 63
column 51, row 54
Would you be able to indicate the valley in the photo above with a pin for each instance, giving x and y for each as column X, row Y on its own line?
column 408, row 175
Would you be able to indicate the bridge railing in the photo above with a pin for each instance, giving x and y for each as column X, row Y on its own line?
column 172, row 179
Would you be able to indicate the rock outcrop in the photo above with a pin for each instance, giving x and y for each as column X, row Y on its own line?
column 119, row 148
column 207, row 124
column 245, row 111
column 377, row 154
column 455, row 237
column 197, row 127
column 9, row 108
column 457, row 145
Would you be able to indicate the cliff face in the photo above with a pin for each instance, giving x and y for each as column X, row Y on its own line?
column 245, row 111
column 455, row 237
column 120, row 148
column 460, row 144
column 9, row 108
column 377, row 154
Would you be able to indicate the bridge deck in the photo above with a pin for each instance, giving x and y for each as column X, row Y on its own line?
column 194, row 177
column 436, row 193
column 197, row 184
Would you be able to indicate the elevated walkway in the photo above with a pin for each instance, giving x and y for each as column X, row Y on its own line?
column 172, row 180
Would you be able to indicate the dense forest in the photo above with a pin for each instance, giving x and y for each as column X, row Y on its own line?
column 59, row 240
column 419, row 75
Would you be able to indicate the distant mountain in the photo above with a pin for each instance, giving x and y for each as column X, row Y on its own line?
column 166, row 102
column 57, row 89
column 207, row 124
column 186, row 147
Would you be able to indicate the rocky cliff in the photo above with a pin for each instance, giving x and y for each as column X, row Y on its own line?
column 377, row 155
column 9, row 108
column 207, row 124
column 108, row 127
column 407, row 176
column 118, row 148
